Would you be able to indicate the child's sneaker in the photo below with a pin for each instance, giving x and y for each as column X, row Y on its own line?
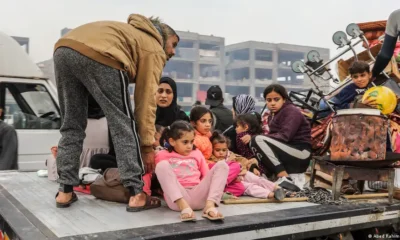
column 287, row 183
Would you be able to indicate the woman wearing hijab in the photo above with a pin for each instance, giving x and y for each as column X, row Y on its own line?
column 168, row 110
column 242, row 104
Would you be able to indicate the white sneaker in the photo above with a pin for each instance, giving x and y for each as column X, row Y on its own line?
column 42, row 173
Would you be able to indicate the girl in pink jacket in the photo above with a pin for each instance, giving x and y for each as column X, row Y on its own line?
column 184, row 175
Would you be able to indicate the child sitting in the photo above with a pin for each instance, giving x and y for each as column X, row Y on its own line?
column 361, row 76
column 286, row 149
column 184, row 175
column 201, row 119
column 241, row 181
column 157, row 144
column 247, row 126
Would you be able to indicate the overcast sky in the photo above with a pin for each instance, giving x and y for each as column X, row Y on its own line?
column 307, row 22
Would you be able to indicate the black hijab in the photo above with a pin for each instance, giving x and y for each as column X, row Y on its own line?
column 166, row 116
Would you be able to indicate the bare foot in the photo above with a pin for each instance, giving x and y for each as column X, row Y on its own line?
column 271, row 195
column 63, row 197
column 139, row 200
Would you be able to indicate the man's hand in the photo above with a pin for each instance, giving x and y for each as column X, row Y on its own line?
column 148, row 160
column 246, row 139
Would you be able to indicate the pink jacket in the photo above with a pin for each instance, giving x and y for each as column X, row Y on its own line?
column 188, row 169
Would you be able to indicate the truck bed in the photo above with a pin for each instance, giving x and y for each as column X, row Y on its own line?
column 27, row 211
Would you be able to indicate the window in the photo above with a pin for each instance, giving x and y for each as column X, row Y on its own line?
column 238, row 74
column 30, row 106
column 263, row 55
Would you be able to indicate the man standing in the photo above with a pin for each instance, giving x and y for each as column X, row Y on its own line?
column 222, row 116
column 8, row 146
column 100, row 59
column 392, row 33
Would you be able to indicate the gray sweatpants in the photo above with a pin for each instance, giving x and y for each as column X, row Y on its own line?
column 76, row 76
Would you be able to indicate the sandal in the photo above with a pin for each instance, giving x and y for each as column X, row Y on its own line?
column 190, row 213
column 73, row 199
column 207, row 215
column 151, row 202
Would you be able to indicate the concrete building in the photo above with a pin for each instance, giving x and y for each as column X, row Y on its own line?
column 23, row 41
column 197, row 65
column 47, row 66
column 248, row 67
column 251, row 66
column 65, row 31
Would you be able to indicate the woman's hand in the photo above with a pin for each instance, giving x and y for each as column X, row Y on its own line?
column 246, row 139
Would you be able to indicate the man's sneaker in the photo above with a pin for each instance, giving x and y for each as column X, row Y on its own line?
column 287, row 183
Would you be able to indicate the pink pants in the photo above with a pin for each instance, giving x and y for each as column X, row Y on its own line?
column 210, row 188
column 258, row 187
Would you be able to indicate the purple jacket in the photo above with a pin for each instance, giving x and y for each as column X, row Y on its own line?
column 289, row 125
column 242, row 148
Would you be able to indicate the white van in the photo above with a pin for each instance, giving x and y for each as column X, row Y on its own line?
column 30, row 104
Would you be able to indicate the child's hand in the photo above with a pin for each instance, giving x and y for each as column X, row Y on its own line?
column 256, row 172
column 239, row 179
column 246, row 139
column 370, row 102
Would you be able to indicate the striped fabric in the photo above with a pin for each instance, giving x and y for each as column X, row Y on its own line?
column 243, row 104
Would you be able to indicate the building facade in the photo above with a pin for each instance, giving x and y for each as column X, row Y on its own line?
column 251, row 66
column 243, row 68
column 23, row 41
column 197, row 65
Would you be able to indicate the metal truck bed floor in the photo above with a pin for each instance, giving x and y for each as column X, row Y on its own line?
column 28, row 206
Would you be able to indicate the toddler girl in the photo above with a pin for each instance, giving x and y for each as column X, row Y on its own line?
column 247, row 126
column 184, row 175
column 241, row 181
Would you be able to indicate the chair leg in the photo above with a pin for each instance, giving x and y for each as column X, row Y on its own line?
column 391, row 185
column 337, row 182
column 360, row 185
column 313, row 172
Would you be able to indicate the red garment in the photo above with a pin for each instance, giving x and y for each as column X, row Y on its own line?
column 264, row 120
column 235, row 188
column 242, row 148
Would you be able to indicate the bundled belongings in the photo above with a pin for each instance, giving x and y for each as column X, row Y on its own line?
column 109, row 187
column 359, row 135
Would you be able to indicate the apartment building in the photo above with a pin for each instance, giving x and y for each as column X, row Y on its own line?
column 251, row 66
column 197, row 65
